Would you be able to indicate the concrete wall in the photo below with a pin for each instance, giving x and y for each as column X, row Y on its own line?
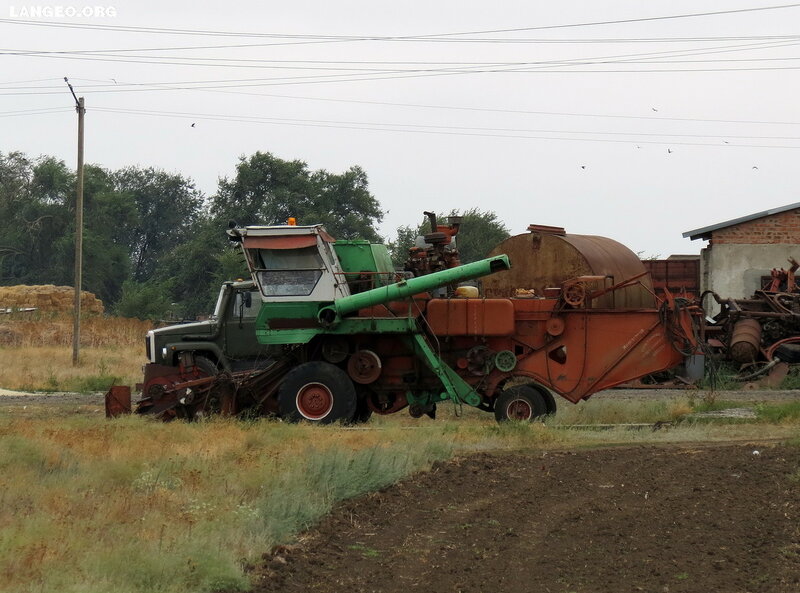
column 735, row 271
column 738, row 256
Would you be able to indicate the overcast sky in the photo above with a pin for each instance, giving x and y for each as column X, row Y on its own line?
column 609, row 129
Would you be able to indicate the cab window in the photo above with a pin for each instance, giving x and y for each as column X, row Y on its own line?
column 240, row 305
column 289, row 272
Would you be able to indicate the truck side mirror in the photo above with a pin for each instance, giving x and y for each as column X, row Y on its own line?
column 247, row 298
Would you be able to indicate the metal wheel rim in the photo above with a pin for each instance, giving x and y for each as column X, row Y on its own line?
column 519, row 409
column 314, row 401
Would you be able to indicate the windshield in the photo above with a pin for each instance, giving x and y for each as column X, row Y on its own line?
column 289, row 272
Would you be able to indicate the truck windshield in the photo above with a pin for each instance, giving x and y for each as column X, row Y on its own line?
column 289, row 272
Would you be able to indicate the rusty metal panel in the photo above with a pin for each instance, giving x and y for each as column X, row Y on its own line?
column 545, row 260
column 118, row 401
column 679, row 276
column 471, row 317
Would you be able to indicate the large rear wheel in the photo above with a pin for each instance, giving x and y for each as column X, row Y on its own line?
column 317, row 391
column 521, row 402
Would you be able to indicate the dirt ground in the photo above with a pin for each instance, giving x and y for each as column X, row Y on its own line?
column 704, row 519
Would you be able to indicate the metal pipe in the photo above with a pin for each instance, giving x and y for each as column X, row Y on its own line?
column 408, row 288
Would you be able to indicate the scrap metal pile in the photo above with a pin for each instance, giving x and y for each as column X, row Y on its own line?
column 761, row 335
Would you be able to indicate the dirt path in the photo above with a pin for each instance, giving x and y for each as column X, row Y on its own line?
column 666, row 520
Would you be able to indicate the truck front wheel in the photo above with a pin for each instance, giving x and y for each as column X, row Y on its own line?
column 317, row 391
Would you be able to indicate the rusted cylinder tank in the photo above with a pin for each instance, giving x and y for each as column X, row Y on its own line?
column 546, row 259
column 745, row 341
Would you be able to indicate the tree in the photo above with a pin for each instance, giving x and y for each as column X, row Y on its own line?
column 193, row 271
column 167, row 205
column 34, row 210
column 479, row 233
column 269, row 190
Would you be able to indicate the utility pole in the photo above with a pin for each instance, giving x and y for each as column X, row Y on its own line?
column 76, row 326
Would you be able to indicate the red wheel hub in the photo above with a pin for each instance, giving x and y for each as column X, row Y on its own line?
column 314, row 401
column 519, row 409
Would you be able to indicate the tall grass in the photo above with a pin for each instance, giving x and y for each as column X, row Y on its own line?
column 134, row 505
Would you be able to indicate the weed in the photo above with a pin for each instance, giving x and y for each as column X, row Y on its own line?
column 712, row 405
column 779, row 412
column 366, row 551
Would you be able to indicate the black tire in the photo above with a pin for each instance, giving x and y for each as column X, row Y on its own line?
column 549, row 400
column 207, row 406
column 206, row 365
column 363, row 411
column 521, row 402
column 317, row 391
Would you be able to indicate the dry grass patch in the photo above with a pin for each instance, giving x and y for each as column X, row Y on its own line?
column 37, row 353
column 56, row 330
column 49, row 368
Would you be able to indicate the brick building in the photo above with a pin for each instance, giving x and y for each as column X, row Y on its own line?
column 742, row 252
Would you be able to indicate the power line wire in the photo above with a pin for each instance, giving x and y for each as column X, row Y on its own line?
column 43, row 111
column 200, row 116
column 388, row 74
column 310, row 123
column 333, row 38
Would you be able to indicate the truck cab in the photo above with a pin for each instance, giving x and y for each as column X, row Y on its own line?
column 227, row 339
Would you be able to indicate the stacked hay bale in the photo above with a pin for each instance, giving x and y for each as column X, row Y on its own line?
column 47, row 299
column 51, row 323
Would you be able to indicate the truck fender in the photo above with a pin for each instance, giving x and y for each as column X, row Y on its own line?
column 175, row 348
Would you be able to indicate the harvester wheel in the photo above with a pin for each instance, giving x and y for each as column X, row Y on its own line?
column 549, row 400
column 521, row 402
column 363, row 411
column 317, row 391
column 209, row 404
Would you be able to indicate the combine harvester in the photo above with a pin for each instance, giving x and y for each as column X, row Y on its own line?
column 347, row 336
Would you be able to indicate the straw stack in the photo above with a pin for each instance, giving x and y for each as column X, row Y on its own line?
column 47, row 299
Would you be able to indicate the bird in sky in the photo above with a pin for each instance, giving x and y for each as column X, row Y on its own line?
column 192, row 124
column 654, row 109
column 754, row 167
column 669, row 150
column 583, row 166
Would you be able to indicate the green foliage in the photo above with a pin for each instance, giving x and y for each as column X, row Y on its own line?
column 269, row 190
column 168, row 206
column 481, row 231
column 148, row 300
column 398, row 249
column 792, row 379
column 783, row 412
column 712, row 405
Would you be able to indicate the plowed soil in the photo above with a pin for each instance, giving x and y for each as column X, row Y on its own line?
column 719, row 519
